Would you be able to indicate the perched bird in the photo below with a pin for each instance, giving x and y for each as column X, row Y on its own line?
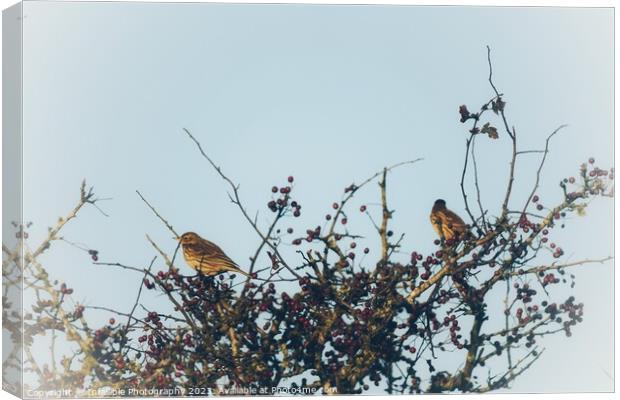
column 206, row 257
column 446, row 223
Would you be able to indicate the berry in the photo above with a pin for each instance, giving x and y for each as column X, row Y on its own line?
column 290, row 179
column 535, row 198
column 363, row 208
column 274, row 190
column 366, row 250
column 335, row 206
column 591, row 160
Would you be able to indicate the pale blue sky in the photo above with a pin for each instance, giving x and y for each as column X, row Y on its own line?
column 329, row 94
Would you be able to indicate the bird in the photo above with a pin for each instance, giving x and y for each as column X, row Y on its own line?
column 206, row 257
column 446, row 223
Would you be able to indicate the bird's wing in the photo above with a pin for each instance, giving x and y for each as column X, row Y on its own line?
column 216, row 257
column 451, row 224
column 451, row 218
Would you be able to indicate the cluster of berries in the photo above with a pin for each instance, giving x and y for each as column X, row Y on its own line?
column 283, row 201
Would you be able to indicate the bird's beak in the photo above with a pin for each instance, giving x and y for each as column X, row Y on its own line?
column 177, row 238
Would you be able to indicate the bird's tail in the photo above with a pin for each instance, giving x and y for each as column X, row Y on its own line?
column 239, row 270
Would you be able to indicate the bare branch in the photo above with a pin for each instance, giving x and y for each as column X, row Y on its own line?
column 162, row 219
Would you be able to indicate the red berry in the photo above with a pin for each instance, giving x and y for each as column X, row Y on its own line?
column 535, row 198
column 290, row 179
column 353, row 245
column 591, row 160
column 335, row 206
column 274, row 190
column 112, row 321
column 366, row 250
column 363, row 208
column 344, row 221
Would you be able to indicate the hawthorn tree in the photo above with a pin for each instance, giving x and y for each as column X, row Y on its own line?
column 319, row 319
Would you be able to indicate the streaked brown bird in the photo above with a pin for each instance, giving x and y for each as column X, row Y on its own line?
column 446, row 223
column 205, row 256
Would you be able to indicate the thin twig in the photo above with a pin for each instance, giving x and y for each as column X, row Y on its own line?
column 162, row 219
column 135, row 305
column 540, row 167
